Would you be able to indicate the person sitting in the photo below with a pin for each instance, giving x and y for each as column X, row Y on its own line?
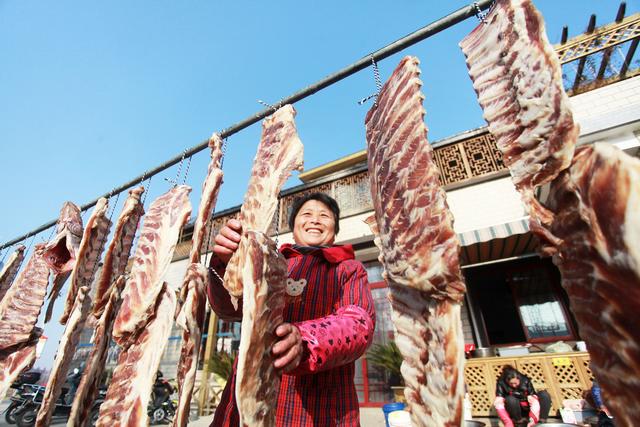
column 517, row 401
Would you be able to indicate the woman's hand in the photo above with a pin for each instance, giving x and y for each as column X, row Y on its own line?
column 288, row 349
column 227, row 240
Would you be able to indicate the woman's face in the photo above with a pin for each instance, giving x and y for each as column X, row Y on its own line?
column 314, row 225
column 514, row 382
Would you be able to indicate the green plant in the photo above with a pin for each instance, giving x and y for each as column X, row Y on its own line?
column 388, row 357
column 221, row 363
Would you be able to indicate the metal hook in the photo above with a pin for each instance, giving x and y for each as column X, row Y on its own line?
column 186, row 172
column 175, row 182
column 146, row 193
column 378, row 81
column 479, row 14
column 273, row 107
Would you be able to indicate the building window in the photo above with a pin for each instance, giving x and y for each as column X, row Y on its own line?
column 540, row 310
column 519, row 301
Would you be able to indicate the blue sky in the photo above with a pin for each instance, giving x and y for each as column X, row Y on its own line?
column 93, row 94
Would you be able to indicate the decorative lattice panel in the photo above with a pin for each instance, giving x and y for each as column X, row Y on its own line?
column 481, row 402
column 566, row 374
column 451, row 164
column 353, row 194
column 478, row 387
column 475, row 376
column 482, row 155
column 567, row 378
column 585, row 363
column 534, row 368
column 603, row 38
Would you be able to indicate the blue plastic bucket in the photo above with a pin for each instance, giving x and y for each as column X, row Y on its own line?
column 390, row 407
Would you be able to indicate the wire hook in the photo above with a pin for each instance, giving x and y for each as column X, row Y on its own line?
column 378, row 81
column 482, row 17
column 273, row 107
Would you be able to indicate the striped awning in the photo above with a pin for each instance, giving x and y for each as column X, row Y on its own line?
column 500, row 241
column 498, row 231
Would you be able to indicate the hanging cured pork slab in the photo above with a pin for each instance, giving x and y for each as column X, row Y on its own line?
column 89, row 253
column 264, row 275
column 210, row 189
column 10, row 270
column 418, row 249
column 19, row 310
column 94, row 365
column 77, row 307
column 518, row 79
column 193, row 297
column 279, row 154
column 64, row 356
column 597, row 204
column 20, row 307
column 132, row 382
column 16, row 361
column 158, row 238
column 107, row 300
column 117, row 255
column 143, row 324
column 61, row 252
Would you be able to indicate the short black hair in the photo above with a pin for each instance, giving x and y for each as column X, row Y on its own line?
column 329, row 201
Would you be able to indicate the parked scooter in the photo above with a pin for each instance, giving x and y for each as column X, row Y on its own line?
column 24, row 384
column 26, row 416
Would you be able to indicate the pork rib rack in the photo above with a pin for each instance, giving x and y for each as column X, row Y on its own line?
column 193, row 297
column 10, row 270
column 19, row 310
column 597, row 205
column 94, row 366
column 132, row 382
column 144, row 321
column 77, row 307
column 418, row 249
column 264, row 275
column 117, row 255
column 518, row 79
column 61, row 252
column 20, row 307
column 279, row 153
column 17, row 360
column 158, row 238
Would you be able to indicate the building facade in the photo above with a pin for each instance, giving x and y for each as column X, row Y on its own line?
column 514, row 296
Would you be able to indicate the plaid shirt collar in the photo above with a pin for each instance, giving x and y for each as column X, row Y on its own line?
column 333, row 254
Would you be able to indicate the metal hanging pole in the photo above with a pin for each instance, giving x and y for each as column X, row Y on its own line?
column 380, row 54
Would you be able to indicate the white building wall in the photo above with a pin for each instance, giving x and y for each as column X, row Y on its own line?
column 484, row 205
column 607, row 107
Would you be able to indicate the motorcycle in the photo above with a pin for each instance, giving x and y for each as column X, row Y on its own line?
column 27, row 414
column 18, row 401
column 24, row 384
column 163, row 413
column 161, row 407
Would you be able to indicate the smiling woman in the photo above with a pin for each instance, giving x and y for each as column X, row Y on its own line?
column 329, row 318
column 314, row 220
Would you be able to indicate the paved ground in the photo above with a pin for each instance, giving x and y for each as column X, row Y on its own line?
column 369, row 417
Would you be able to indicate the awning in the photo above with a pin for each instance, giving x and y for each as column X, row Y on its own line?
column 499, row 241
